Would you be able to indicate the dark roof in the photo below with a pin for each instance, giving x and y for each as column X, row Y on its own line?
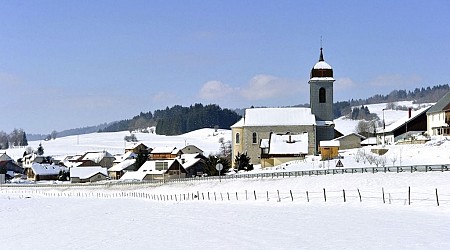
column 441, row 105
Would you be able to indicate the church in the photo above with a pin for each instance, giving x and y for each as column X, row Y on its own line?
column 253, row 134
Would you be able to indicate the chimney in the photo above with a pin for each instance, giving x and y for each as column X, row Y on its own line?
column 409, row 113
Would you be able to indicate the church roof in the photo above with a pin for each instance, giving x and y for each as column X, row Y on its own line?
column 276, row 117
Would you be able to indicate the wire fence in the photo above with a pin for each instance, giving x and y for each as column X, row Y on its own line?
column 405, row 196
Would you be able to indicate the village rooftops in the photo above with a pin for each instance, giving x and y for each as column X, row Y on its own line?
column 164, row 150
column 276, row 117
column 46, row 169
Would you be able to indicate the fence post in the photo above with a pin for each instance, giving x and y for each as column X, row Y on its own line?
column 343, row 191
column 382, row 190
column 307, row 196
column 359, row 193
column 279, row 199
column 246, row 197
column 267, row 192
column 292, row 197
column 437, row 198
column 254, row 192
column 237, row 196
column 409, row 195
column 324, row 195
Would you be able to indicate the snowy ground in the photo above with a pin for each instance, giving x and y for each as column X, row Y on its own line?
column 121, row 217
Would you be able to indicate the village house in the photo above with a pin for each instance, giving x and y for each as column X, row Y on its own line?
column 438, row 117
column 350, row 141
column 194, row 164
column 279, row 149
column 9, row 167
column 316, row 121
column 161, row 153
column 88, row 174
column 43, row 171
column 157, row 170
column 116, row 171
column 102, row 159
column 414, row 123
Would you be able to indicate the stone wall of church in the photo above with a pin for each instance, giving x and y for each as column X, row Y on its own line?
column 263, row 132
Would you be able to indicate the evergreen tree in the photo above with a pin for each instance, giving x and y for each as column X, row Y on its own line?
column 242, row 161
column 141, row 158
column 40, row 150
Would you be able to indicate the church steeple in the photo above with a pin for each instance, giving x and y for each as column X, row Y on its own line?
column 321, row 55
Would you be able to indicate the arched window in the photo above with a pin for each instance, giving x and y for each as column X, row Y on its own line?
column 322, row 95
column 254, row 138
column 238, row 138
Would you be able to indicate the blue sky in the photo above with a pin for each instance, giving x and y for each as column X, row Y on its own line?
column 68, row 64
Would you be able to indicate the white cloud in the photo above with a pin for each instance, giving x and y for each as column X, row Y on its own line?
column 213, row 90
column 262, row 87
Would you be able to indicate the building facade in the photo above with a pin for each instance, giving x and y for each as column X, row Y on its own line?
column 316, row 121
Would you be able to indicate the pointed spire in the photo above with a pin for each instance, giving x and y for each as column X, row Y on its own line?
column 321, row 55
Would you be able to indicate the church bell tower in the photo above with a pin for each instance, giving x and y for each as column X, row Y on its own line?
column 321, row 90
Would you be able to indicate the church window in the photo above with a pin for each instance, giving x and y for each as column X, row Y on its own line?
column 254, row 138
column 322, row 97
column 238, row 138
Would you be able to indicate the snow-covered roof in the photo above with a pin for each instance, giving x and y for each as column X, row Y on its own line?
column 122, row 165
column 322, row 79
column 96, row 156
column 46, row 169
column 128, row 155
column 87, row 172
column 403, row 120
column 356, row 134
column 187, row 160
column 164, row 150
column 278, row 117
column 322, row 65
column 150, row 166
column 288, row 144
column 369, row 141
column 239, row 123
column 134, row 145
column 134, row 175
column 330, row 143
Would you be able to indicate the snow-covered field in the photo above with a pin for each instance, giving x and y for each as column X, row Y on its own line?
column 148, row 216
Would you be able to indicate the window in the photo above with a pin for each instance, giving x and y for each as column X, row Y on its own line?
column 238, row 138
column 254, row 138
column 322, row 95
column 161, row 165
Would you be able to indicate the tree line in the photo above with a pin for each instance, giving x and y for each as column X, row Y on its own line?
column 178, row 119
column 418, row 95
column 17, row 138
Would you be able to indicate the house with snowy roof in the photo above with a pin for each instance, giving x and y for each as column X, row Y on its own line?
column 279, row 149
column 88, row 174
column 412, row 124
column 316, row 122
column 116, row 171
column 194, row 164
column 160, row 153
column 8, row 166
column 438, row 117
column 102, row 159
column 43, row 171
column 157, row 170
